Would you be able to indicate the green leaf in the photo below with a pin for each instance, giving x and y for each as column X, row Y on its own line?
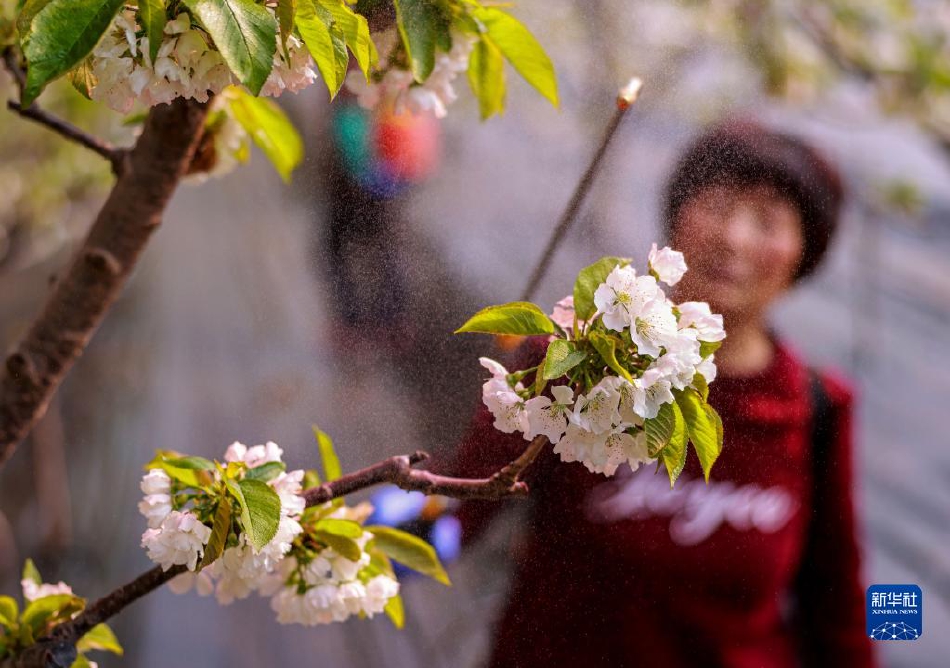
column 707, row 348
column 266, row 472
column 699, row 382
column 588, row 280
column 342, row 545
column 310, row 479
column 190, row 471
column 606, row 347
column 286, row 9
column 81, row 662
column 9, row 611
column 31, row 573
column 82, row 78
column 561, row 357
column 331, row 463
column 521, row 49
column 100, row 637
column 410, row 551
column 269, row 128
column 421, row 26
column 522, row 318
column 153, row 19
column 50, row 610
column 356, row 31
column 325, row 41
column 486, row 76
column 668, row 426
column 673, row 457
column 704, row 427
column 338, row 527
column 24, row 19
column 260, row 510
column 395, row 611
column 61, row 35
column 220, row 528
column 244, row 32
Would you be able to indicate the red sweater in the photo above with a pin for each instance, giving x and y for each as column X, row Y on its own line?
column 624, row 571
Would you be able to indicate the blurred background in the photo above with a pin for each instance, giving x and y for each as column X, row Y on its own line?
column 260, row 308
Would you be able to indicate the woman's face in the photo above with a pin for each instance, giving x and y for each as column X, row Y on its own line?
column 743, row 245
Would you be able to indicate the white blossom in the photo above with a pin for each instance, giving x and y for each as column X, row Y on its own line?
column 254, row 456
column 653, row 326
column 668, row 265
column 185, row 582
column 549, row 417
column 563, row 314
column 597, row 411
column 699, row 316
column 178, row 540
column 623, row 296
column 707, row 368
column 157, row 502
column 502, row 400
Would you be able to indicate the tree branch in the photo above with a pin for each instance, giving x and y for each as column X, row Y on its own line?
column 99, row 271
column 58, row 649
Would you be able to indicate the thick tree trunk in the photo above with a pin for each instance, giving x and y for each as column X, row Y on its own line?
column 81, row 298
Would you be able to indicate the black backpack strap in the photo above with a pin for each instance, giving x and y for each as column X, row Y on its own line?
column 821, row 428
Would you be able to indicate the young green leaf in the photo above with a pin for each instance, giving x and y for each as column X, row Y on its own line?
column 266, row 472
column 356, row 31
column 699, row 382
column 606, row 347
column 260, row 510
column 286, row 9
column 61, row 34
column 338, row 527
column 325, row 41
column 588, row 280
column 220, row 528
column 522, row 318
column 521, row 49
column 395, row 611
column 244, row 32
column 707, row 348
column 31, row 573
column 342, row 545
column 50, row 610
column 269, row 128
column 82, row 78
column 9, row 611
column 421, row 26
column 153, row 19
column 668, row 426
column 331, row 463
column 486, row 76
column 310, row 479
column 704, row 427
column 561, row 357
column 102, row 638
column 190, row 471
column 410, row 551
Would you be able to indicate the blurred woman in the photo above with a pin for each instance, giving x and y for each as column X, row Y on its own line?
column 759, row 567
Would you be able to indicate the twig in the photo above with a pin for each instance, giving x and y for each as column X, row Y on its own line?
column 100, row 269
column 398, row 471
column 625, row 100
column 115, row 156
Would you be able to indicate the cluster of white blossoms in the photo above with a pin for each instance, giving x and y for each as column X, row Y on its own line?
column 330, row 587
column 396, row 86
column 602, row 428
column 186, row 65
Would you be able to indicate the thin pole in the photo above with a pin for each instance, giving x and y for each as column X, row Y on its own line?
column 625, row 99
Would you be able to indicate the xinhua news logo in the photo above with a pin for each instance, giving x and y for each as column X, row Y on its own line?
column 895, row 612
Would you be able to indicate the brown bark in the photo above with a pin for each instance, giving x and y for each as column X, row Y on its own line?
column 106, row 259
